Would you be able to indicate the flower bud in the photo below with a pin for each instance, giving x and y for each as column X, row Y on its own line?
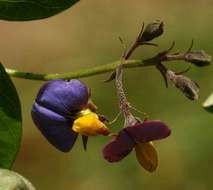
column 187, row 86
column 198, row 58
column 152, row 30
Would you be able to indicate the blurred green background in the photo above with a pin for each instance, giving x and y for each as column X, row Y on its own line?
column 87, row 35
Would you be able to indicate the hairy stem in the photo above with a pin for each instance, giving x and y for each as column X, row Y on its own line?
column 123, row 102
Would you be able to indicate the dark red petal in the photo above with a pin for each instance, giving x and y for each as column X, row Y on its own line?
column 118, row 147
column 148, row 131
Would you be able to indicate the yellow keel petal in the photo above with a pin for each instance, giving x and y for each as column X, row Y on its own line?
column 90, row 125
column 147, row 156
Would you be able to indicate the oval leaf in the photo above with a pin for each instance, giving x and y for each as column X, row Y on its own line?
column 22, row 10
column 208, row 103
column 147, row 156
column 10, row 121
column 10, row 180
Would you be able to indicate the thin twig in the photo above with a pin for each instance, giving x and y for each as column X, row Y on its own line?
column 135, row 44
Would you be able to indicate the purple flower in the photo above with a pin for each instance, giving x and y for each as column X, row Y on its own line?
column 139, row 137
column 63, row 96
column 61, row 111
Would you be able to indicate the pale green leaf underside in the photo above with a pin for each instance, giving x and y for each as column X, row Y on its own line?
column 208, row 103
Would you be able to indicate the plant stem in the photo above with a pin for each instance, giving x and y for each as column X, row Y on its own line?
column 81, row 73
column 123, row 102
column 108, row 67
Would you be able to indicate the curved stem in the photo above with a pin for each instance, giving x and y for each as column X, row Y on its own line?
column 81, row 73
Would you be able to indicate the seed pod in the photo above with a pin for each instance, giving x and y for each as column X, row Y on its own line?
column 187, row 86
column 152, row 30
column 198, row 58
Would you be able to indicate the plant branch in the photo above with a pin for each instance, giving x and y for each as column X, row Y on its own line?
column 78, row 74
column 198, row 58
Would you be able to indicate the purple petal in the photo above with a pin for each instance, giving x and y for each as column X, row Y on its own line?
column 54, row 127
column 63, row 96
column 148, row 131
column 118, row 147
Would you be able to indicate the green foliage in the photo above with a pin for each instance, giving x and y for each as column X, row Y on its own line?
column 10, row 121
column 22, row 10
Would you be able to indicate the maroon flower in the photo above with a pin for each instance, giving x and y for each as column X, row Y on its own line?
column 138, row 136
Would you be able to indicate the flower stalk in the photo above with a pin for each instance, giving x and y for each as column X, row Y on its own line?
column 106, row 68
column 123, row 102
column 153, row 30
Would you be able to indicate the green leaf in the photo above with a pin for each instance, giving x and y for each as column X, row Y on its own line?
column 208, row 103
column 22, row 10
column 10, row 121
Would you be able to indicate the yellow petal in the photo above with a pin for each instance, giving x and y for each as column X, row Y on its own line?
column 90, row 125
column 147, row 156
